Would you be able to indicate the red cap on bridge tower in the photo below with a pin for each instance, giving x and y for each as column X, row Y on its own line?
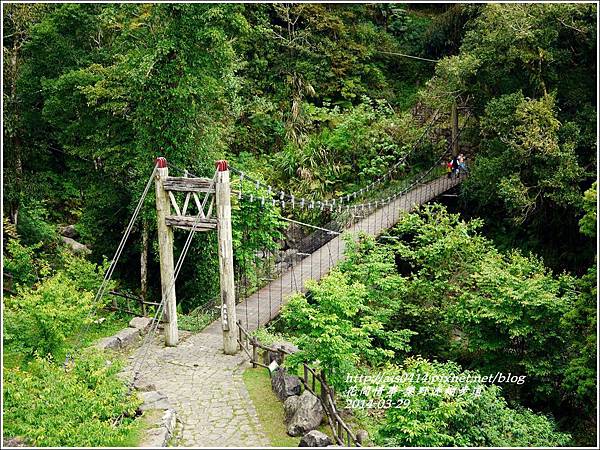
column 161, row 162
column 222, row 165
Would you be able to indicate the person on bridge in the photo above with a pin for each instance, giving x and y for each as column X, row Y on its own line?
column 462, row 164
column 455, row 166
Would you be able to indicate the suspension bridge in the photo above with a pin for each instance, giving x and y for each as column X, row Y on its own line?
column 201, row 372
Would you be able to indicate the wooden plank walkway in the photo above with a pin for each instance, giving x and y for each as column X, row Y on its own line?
column 264, row 305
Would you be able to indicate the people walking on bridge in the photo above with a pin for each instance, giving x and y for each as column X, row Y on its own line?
column 462, row 164
column 455, row 166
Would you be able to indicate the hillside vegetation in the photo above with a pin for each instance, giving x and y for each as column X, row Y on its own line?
column 319, row 99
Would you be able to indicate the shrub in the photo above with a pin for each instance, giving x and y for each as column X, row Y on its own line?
column 20, row 262
column 474, row 418
column 34, row 226
column 38, row 321
column 336, row 327
column 85, row 406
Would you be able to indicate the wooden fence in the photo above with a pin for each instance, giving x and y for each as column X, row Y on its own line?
column 312, row 380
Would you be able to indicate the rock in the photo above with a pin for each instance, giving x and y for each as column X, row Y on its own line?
column 76, row 247
column 284, row 385
column 362, row 436
column 154, row 400
column 69, row 231
column 124, row 338
column 169, row 420
column 159, row 436
column 287, row 347
column 269, row 356
column 315, row 438
column 144, row 386
column 141, row 323
column 290, row 406
column 127, row 336
column 108, row 343
column 13, row 442
column 308, row 415
column 155, row 437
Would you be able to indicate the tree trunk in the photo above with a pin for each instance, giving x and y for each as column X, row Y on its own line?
column 454, row 120
column 144, row 266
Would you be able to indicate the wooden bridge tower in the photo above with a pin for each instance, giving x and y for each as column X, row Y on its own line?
column 219, row 194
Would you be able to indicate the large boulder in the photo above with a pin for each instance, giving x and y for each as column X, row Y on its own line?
column 284, row 385
column 362, row 437
column 76, row 247
column 124, row 338
column 141, row 323
column 108, row 343
column 290, row 406
column 69, row 231
column 127, row 336
column 308, row 415
column 315, row 438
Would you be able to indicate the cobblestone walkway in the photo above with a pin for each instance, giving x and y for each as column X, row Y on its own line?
column 206, row 389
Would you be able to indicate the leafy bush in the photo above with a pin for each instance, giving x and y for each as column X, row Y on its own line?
column 335, row 327
column 474, row 418
column 20, row 262
column 34, row 226
column 587, row 224
column 499, row 311
column 84, row 406
column 39, row 320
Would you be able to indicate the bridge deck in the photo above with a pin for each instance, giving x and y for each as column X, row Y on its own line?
column 265, row 304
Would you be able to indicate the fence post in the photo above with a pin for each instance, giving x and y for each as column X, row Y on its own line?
column 323, row 387
column 254, row 352
column 165, row 247
column 228, row 313
column 454, row 120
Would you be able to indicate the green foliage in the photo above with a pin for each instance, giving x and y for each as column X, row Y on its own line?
column 524, row 71
column 340, row 319
column 39, row 320
column 587, row 224
column 580, row 374
column 20, row 261
column 350, row 147
column 480, row 417
column 442, row 281
column 510, row 312
column 523, row 164
column 86, row 405
column 497, row 311
column 34, row 226
column 327, row 329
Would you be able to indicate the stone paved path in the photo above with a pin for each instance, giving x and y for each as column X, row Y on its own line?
column 206, row 389
column 205, row 386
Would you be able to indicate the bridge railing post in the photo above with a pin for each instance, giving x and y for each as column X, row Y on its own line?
column 227, row 282
column 165, row 248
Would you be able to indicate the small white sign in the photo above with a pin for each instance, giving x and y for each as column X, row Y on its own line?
column 273, row 366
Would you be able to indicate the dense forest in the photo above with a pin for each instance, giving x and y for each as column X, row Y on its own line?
column 319, row 98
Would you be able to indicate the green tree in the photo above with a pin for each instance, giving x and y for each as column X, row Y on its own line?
column 477, row 417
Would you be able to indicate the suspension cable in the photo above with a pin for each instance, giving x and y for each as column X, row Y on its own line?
column 109, row 272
